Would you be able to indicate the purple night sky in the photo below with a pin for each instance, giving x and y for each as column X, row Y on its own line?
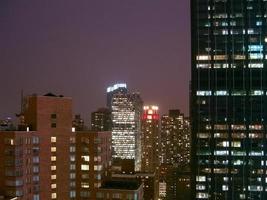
column 79, row 47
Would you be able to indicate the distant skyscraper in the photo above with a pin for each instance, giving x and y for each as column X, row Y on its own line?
column 101, row 120
column 116, row 88
column 228, row 99
column 78, row 123
column 175, row 151
column 175, row 139
column 126, row 109
column 150, row 139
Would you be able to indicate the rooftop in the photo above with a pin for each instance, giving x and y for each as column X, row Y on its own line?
column 121, row 185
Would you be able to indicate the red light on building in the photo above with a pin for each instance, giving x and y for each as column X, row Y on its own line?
column 150, row 113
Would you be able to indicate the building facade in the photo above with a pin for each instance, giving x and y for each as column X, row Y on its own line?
column 126, row 109
column 31, row 159
column 78, row 123
column 150, row 139
column 175, row 139
column 229, row 99
column 101, row 120
column 92, row 162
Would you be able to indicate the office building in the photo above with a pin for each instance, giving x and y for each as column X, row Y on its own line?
column 116, row 88
column 126, row 110
column 101, row 120
column 150, row 139
column 229, row 99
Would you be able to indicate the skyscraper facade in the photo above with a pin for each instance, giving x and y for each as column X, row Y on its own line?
column 228, row 99
column 101, row 120
column 116, row 88
column 150, row 139
column 126, row 109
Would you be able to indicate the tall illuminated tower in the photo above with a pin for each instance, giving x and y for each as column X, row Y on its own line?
column 150, row 139
column 175, row 139
column 126, row 109
column 228, row 99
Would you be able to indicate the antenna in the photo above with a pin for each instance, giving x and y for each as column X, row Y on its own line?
column 21, row 102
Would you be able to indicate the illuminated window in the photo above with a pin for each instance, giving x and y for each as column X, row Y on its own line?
column 72, row 158
column 85, row 158
column 53, row 186
column 221, row 93
column 203, row 57
column 220, row 57
column 53, row 149
column 53, row 158
column 84, row 167
column 84, row 185
column 53, row 167
column 221, row 153
column 200, row 187
column 225, row 188
column 54, row 195
column 204, row 66
column 203, row 93
column 53, row 139
column 202, row 195
column 53, row 177
column 236, row 144
column 201, row 178
column 255, row 47
column 257, row 92
column 256, row 56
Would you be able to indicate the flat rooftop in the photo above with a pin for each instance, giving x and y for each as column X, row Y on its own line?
column 121, row 185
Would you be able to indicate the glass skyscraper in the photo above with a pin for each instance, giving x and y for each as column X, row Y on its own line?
column 229, row 99
column 126, row 110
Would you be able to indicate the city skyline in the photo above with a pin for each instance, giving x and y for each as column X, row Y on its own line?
column 78, row 49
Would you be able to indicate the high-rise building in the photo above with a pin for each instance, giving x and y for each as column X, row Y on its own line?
column 92, row 162
column 229, row 99
column 175, row 151
column 35, row 163
column 175, row 139
column 126, row 109
column 116, row 88
column 78, row 123
column 150, row 139
column 101, row 120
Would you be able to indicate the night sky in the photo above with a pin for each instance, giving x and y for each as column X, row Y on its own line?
column 79, row 47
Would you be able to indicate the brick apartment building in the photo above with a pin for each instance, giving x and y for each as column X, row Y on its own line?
column 46, row 159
